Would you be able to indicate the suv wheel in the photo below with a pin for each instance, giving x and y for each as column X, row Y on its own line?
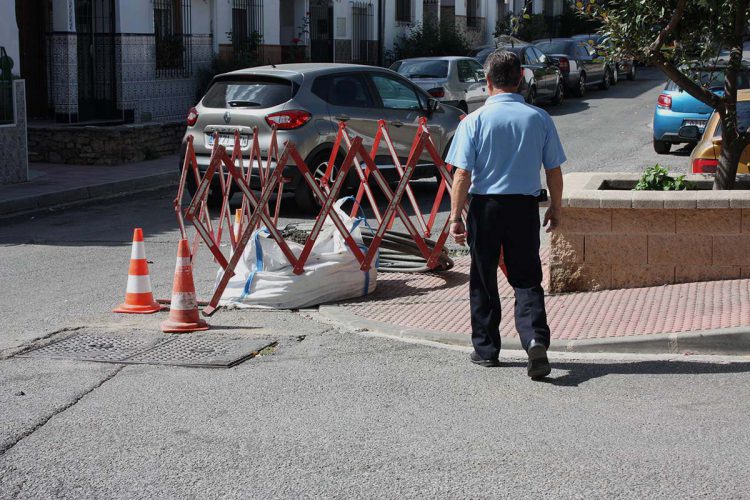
column 607, row 81
column 559, row 95
column 580, row 89
column 662, row 147
column 303, row 195
column 615, row 75
column 531, row 97
column 631, row 73
column 463, row 107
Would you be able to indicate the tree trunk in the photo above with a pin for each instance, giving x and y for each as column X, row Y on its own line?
column 729, row 160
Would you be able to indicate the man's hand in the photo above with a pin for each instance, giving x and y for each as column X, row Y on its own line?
column 552, row 217
column 458, row 231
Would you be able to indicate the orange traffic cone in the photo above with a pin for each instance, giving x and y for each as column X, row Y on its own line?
column 183, row 311
column 138, row 296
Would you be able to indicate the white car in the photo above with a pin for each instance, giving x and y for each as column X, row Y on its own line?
column 456, row 81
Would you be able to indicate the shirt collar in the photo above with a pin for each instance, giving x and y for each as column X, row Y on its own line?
column 506, row 98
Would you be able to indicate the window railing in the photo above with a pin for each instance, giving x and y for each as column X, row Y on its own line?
column 403, row 11
column 172, row 31
column 472, row 14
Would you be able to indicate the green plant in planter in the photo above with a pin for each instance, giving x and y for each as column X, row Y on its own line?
column 657, row 178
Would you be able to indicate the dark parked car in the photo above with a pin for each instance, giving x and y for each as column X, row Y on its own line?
column 542, row 79
column 581, row 66
column 624, row 67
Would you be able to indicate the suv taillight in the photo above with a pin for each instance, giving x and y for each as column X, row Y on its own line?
column 705, row 166
column 564, row 65
column 437, row 92
column 192, row 117
column 664, row 101
column 288, row 120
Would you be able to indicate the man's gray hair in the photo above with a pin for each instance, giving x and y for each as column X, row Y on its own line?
column 503, row 69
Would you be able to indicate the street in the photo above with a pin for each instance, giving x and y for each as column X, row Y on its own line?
column 331, row 412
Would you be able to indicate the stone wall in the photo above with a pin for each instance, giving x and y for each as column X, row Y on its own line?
column 13, row 152
column 88, row 145
column 628, row 239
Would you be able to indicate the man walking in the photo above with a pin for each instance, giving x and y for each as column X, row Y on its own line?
column 498, row 151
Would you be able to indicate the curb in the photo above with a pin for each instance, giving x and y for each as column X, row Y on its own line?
column 727, row 341
column 82, row 195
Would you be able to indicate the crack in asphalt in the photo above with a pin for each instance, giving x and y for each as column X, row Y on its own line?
column 58, row 411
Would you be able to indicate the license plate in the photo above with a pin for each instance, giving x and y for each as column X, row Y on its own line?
column 227, row 140
column 701, row 124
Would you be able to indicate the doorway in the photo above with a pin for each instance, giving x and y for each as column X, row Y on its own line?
column 97, row 87
column 321, row 31
column 34, row 20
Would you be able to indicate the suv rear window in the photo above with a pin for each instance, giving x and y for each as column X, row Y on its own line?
column 423, row 69
column 713, row 80
column 556, row 47
column 252, row 92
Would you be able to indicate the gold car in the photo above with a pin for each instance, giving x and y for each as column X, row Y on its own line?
column 705, row 156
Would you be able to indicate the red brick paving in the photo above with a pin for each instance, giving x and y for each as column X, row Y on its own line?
column 440, row 302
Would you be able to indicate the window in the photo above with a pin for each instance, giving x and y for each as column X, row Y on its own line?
column 395, row 94
column 478, row 70
column 530, row 57
column 403, row 11
column 539, row 55
column 466, row 73
column 472, row 13
column 252, row 92
column 422, row 69
column 343, row 90
column 247, row 28
column 172, row 33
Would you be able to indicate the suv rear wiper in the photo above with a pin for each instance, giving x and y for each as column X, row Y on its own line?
column 243, row 104
column 421, row 75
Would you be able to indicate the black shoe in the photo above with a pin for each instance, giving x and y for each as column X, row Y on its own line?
column 477, row 360
column 538, row 362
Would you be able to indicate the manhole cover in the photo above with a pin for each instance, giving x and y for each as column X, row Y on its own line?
column 156, row 350
column 202, row 351
column 96, row 348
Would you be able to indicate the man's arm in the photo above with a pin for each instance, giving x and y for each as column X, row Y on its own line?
column 459, row 192
column 555, row 186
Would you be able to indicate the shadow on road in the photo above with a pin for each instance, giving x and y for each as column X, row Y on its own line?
column 578, row 373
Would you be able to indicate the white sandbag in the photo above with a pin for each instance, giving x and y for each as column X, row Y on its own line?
column 264, row 278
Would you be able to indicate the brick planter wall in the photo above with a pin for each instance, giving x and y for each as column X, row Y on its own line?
column 626, row 239
column 89, row 145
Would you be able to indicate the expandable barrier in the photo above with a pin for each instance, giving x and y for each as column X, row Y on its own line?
column 256, row 210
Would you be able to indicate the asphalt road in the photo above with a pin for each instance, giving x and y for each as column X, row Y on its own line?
column 336, row 413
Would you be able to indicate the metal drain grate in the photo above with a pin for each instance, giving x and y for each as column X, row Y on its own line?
column 96, row 348
column 201, row 351
column 176, row 351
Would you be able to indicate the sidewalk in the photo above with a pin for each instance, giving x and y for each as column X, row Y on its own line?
column 703, row 318
column 53, row 184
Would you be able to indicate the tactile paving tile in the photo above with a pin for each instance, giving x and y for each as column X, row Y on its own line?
column 440, row 301
column 96, row 348
column 201, row 351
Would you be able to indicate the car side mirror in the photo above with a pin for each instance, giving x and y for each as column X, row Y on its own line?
column 433, row 105
column 689, row 132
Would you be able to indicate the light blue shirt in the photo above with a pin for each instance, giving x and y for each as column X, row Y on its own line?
column 504, row 144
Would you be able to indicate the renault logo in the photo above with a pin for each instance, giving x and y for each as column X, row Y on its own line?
column 227, row 117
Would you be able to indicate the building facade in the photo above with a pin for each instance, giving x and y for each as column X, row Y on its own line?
column 134, row 61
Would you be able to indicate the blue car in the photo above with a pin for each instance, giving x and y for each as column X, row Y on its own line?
column 676, row 108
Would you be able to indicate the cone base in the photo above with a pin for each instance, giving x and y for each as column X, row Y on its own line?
column 171, row 326
column 139, row 309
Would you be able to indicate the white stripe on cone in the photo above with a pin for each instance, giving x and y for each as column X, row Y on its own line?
column 138, row 251
column 183, row 301
column 182, row 262
column 139, row 284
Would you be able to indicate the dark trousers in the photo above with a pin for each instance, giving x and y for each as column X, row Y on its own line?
column 511, row 223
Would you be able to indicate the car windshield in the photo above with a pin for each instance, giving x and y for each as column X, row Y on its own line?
column 743, row 118
column 253, row 92
column 553, row 47
column 713, row 79
column 483, row 54
column 423, row 69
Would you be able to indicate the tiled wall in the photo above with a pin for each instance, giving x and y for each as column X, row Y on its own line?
column 140, row 89
column 63, row 73
column 13, row 146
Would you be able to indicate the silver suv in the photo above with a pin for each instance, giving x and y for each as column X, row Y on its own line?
column 306, row 102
